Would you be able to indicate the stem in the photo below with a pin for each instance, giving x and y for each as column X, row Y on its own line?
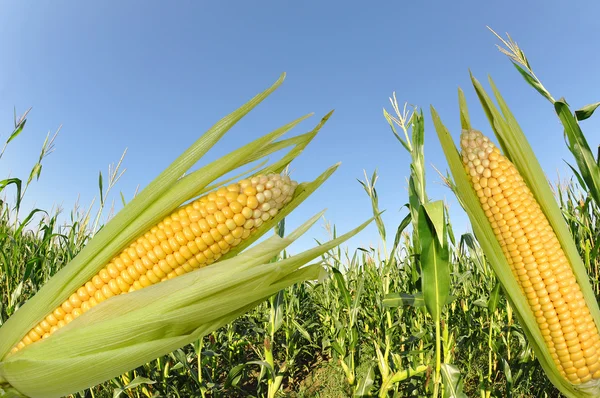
column 490, row 356
column 199, row 356
column 269, row 360
column 438, row 358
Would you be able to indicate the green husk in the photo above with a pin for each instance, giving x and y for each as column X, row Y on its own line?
column 130, row 330
column 517, row 149
column 521, row 154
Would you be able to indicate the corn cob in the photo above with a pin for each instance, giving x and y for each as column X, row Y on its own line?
column 536, row 258
column 193, row 236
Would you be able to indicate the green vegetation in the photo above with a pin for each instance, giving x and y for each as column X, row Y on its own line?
column 424, row 317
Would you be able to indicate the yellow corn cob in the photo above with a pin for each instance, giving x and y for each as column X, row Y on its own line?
column 536, row 259
column 193, row 236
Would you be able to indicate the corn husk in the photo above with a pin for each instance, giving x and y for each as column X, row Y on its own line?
column 516, row 147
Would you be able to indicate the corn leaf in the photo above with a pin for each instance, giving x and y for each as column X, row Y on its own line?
column 465, row 120
column 533, row 82
column 588, row 167
column 393, row 300
column 18, row 129
column 453, row 383
column 299, row 142
column 587, row 111
column 365, row 383
column 494, row 299
column 434, row 257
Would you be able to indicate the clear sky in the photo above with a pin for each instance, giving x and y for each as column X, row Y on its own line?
column 152, row 76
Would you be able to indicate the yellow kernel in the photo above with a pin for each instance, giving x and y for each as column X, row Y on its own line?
column 34, row 336
column 250, row 191
column 252, row 202
column 236, row 207
column 151, row 277
column 239, row 219
column 212, row 222
column 242, row 199
column 223, row 229
column 208, row 238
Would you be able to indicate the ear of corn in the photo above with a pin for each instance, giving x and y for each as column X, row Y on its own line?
column 504, row 196
column 193, row 236
column 128, row 330
column 535, row 257
column 158, row 199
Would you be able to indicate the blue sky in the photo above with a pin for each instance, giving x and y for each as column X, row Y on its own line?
column 151, row 77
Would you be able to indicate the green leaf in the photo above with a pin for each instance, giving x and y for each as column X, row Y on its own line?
column 299, row 142
column 494, row 299
column 182, row 359
column 435, row 215
column 586, row 111
column 100, row 187
column 264, row 365
column 138, row 381
column 508, row 375
column 301, row 330
column 465, row 121
column 235, row 375
column 434, row 257
column 29, row 266
column 276, row 312
column 35, row 172
column 17, row 183
column 533, row 82
column 365, row 383
column 588, row 167
column 393, row 300
column 341, row 285
column 18, row 129
column 580, row 180
column 15, row 295
column 453, row 384
column 27, row 220
column 401, row 227
column 336, row 346
column 402, row 375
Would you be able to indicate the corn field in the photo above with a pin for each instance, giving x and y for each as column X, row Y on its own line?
column 362, row 329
